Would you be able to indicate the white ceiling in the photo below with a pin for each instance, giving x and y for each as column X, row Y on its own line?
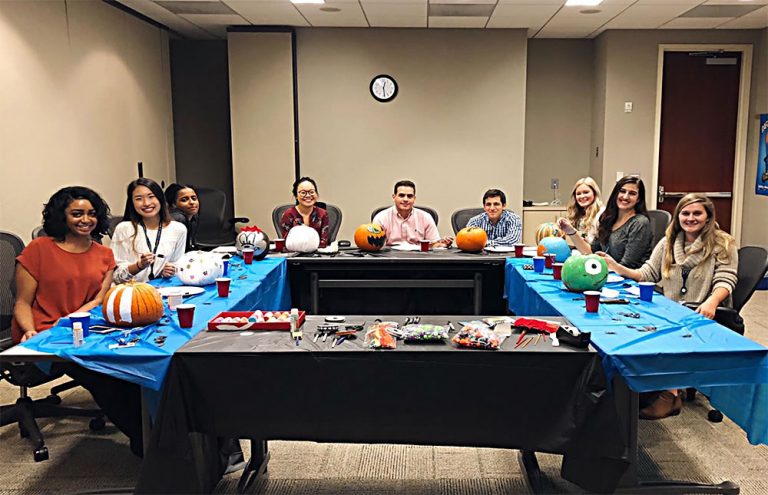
column 542, row 18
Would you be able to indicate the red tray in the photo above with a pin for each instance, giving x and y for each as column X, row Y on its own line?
column 251, row 325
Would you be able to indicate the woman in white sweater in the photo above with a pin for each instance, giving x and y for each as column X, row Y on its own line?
column 147, row 242
column 695, row 262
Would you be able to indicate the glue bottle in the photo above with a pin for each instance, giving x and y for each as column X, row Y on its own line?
column 294, row 318
column 77, row 334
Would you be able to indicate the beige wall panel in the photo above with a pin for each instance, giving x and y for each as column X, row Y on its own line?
column 598, row 111
column 456, row 127
column 88, row 89
column 261, row 106
column 558, row 115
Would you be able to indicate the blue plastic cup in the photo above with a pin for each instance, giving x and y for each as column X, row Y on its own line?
column 83, row 318
column 538, row 264
column 646, row 291
column 226, row 268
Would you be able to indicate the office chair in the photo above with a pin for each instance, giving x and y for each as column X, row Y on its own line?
column 214, row 228
column 461, row 217
column 753, row 264
column 659, row 221
column 38, row 232
column 113, row 221
column 429, row 210
column 25, row 375
column 334, row 218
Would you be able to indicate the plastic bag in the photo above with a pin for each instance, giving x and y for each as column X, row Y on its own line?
column 377, row 335
column 478, row 335
column 424, row 332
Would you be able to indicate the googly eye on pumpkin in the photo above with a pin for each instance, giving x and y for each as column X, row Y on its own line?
column 592, row 267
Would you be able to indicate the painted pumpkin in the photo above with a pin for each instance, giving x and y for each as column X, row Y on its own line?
column 370, row 237
column 133, row 304
column 471, row 239
column 548, row 229
column 199, row 268
column 302, row 239
column 253, row 237
column 582, row 273
column 556, row 246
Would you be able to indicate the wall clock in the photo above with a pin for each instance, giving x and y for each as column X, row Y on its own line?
column 383, row 88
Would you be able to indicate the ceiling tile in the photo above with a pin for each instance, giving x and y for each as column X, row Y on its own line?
column 350, row 14
column 695, row 23
column 736, row 2
column 457, row 22
column 754, row 20
column 551, row 32
column 274, row 12
column 395, row 9
column 167, row 18
column 646, row 16
column 518, row 16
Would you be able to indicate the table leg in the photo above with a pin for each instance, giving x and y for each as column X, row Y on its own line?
column 257, row 464
column 530, row 469
column 478, row 293
column 314, row 292
column 146, row 422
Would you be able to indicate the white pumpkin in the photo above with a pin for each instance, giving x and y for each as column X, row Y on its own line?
column 199, row 268
column 255, row 238
column 302, row 239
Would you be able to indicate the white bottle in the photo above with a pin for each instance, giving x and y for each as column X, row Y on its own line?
column 294, row 318
column 77, row 334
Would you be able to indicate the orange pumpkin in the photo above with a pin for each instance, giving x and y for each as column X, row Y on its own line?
column 132, row 304
column 370, row 237
column 471, row 239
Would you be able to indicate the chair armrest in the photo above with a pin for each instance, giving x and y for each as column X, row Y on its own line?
column 239, row 220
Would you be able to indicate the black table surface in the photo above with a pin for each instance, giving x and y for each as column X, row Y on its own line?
column 262, row 386
column 389, row 255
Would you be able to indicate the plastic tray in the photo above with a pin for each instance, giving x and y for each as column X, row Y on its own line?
column 251, row 325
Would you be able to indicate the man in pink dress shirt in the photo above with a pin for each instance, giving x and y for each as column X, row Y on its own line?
column 406, row 224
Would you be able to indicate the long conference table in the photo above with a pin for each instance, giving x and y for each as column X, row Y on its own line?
column 689, row 350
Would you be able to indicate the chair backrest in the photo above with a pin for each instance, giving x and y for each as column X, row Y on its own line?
column 460, row 218
column 212, row 217
column 113, row 221
column 10, row 247
column 429, row 210
column 334, row 218
column 753, row 264
column 38, row 232
column 659, row 221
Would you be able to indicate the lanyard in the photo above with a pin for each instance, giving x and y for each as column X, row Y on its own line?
column 149, row 245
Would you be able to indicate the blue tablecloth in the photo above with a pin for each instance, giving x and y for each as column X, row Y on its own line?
column 685, row 350
column 264, row 285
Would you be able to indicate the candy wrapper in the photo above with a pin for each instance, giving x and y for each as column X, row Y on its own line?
column 378, row 337
column 478, row 335
column 422, row 332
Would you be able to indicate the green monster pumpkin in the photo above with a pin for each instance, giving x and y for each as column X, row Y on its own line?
column 582, row 273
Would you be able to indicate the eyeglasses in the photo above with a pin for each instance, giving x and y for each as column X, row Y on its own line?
column 304, row 194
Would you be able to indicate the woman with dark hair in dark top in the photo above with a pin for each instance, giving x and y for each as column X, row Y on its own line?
column 184, row 207
column 624, row 231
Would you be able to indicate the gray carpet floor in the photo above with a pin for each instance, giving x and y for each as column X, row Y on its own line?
column 684, row 447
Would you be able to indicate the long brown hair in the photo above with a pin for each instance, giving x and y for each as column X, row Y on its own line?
column 611, row 213
column 576, row 211
column 714, row 241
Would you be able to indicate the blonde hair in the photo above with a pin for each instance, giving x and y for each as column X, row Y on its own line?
column 576, row 212
column 715, row 242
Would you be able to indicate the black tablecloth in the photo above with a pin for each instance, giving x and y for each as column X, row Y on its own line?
column 263, row 386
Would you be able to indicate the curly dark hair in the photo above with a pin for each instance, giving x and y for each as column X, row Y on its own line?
column 55, row 215
column 611, row 213
column 130, row 212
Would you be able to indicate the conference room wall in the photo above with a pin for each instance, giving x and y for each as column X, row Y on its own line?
column 558, row 112
column 598, row 110
column 85, row 95
column 631, row 75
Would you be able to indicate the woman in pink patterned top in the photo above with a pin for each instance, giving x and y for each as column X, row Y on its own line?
column 306, row 212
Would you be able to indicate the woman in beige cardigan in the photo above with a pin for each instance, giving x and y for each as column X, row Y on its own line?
column 695, row 262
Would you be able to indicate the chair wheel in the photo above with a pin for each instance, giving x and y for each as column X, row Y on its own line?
column 97, row 424
column 41, row 454
column 53, row 399
column 715, row 416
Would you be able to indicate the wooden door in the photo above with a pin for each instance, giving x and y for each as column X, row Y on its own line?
column 699, row 108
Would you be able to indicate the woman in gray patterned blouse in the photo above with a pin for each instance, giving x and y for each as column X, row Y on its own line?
column 624, row 231
column 696, row 262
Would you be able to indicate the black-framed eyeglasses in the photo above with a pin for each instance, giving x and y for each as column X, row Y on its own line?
column 304, row 194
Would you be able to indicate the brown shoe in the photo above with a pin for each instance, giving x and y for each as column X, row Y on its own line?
column 667, row 404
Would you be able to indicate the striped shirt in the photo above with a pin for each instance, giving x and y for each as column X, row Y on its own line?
column 507, row 231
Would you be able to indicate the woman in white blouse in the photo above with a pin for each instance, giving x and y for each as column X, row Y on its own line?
column 147, row 242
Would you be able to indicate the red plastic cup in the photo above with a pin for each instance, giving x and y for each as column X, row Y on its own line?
column 279, row 245
column 425, row 245
column 222, row 285
column 549, row 260
column 186, row 314
column 592, row 297
column 557, row 271
column 248, row 255
column 519, row 250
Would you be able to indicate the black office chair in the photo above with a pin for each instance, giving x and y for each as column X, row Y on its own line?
column 214, row 228
column 461, row 217
column 429, row 210
column 24, row 375
column 38, row 232
column 334, row 218
column 114, row 220
column 659, row 221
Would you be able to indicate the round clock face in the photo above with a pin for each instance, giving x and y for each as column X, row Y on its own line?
column 383, row 88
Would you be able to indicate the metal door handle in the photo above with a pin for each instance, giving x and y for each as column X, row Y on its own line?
column 709, row 194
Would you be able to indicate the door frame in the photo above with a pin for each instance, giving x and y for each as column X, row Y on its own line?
column 742, row 123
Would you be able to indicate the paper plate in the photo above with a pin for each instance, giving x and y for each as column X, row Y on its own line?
column 184, row 290
column 225, row 250
column 406, row 247
column 529, row 251
column 500, row 249
column 613, row 278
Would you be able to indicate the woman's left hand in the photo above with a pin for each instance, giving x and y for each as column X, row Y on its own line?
column 169, row 270
column 707, row 308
